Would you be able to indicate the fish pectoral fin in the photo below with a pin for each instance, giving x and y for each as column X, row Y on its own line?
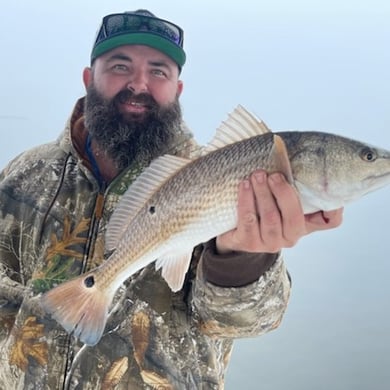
column 174, row 268
column 280, row 159
column 80, row 307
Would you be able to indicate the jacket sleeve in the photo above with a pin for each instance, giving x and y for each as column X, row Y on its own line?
column 11, row 284
column 12, row 289
column 245, row 310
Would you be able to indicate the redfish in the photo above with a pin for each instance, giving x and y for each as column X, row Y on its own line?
column 176, row 203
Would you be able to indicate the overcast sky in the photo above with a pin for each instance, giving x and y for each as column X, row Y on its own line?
column 304, row 65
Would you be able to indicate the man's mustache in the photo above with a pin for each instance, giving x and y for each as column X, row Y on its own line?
column 127, row 95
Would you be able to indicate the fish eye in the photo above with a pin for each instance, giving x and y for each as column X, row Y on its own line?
column 368, row 155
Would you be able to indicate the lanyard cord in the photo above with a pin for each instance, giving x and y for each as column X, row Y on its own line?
column 95, row 167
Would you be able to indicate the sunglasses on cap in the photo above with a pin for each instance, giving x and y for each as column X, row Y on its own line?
column 118, row 24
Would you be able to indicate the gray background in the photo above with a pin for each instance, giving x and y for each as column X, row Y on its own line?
column 306, row 65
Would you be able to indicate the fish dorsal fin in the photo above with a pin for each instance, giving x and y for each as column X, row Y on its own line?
column 281, row 162
column 241, row 124
column 137, row 195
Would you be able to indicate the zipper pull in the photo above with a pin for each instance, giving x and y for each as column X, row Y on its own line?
column 100, row 198
column 99, row 205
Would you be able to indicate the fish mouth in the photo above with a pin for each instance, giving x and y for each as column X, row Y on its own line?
column 365, row 186
column 374, row 182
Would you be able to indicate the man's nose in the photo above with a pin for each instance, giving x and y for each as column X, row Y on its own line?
column 138, row 83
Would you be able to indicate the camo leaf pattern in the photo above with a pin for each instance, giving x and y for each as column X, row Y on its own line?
column 115, row 373
column 61, row 256
column 29, row 345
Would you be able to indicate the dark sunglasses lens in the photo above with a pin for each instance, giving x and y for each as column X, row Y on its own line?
column 120, row 23
column 169, row 31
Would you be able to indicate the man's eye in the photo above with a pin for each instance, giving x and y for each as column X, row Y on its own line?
column 120, row 67
column 159, row 72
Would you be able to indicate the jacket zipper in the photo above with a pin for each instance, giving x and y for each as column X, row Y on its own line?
column 89, row 249
column 88, row 254
column 94, row 228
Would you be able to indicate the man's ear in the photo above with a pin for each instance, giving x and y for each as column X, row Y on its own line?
column 179, row 87
column 87, row 76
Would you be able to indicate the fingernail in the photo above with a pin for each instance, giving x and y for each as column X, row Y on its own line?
column 246, row 184
column 260, row 177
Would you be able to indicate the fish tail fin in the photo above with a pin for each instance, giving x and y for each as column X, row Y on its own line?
column 80, row 307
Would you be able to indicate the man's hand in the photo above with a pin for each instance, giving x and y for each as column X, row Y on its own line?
column 270, row 217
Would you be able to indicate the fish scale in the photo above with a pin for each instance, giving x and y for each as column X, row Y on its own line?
column 177, row 204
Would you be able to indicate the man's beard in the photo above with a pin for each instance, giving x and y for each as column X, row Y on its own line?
column 131, row 138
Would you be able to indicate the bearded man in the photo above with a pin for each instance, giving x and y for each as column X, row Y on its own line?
column 56, row 200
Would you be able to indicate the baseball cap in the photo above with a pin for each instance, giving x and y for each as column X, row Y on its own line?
column 140, row 27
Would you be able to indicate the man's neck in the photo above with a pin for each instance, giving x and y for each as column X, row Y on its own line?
column 107, row 167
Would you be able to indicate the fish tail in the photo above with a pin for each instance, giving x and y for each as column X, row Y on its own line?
column 80, row 306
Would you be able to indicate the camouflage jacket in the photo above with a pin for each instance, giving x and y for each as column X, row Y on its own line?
column 52, row 220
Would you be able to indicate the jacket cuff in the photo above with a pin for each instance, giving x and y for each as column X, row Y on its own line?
column 235, row 269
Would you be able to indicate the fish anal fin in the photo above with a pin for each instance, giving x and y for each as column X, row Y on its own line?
column 280, row 160
column 174, row 268
column 240, row 125
column 81, row 310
